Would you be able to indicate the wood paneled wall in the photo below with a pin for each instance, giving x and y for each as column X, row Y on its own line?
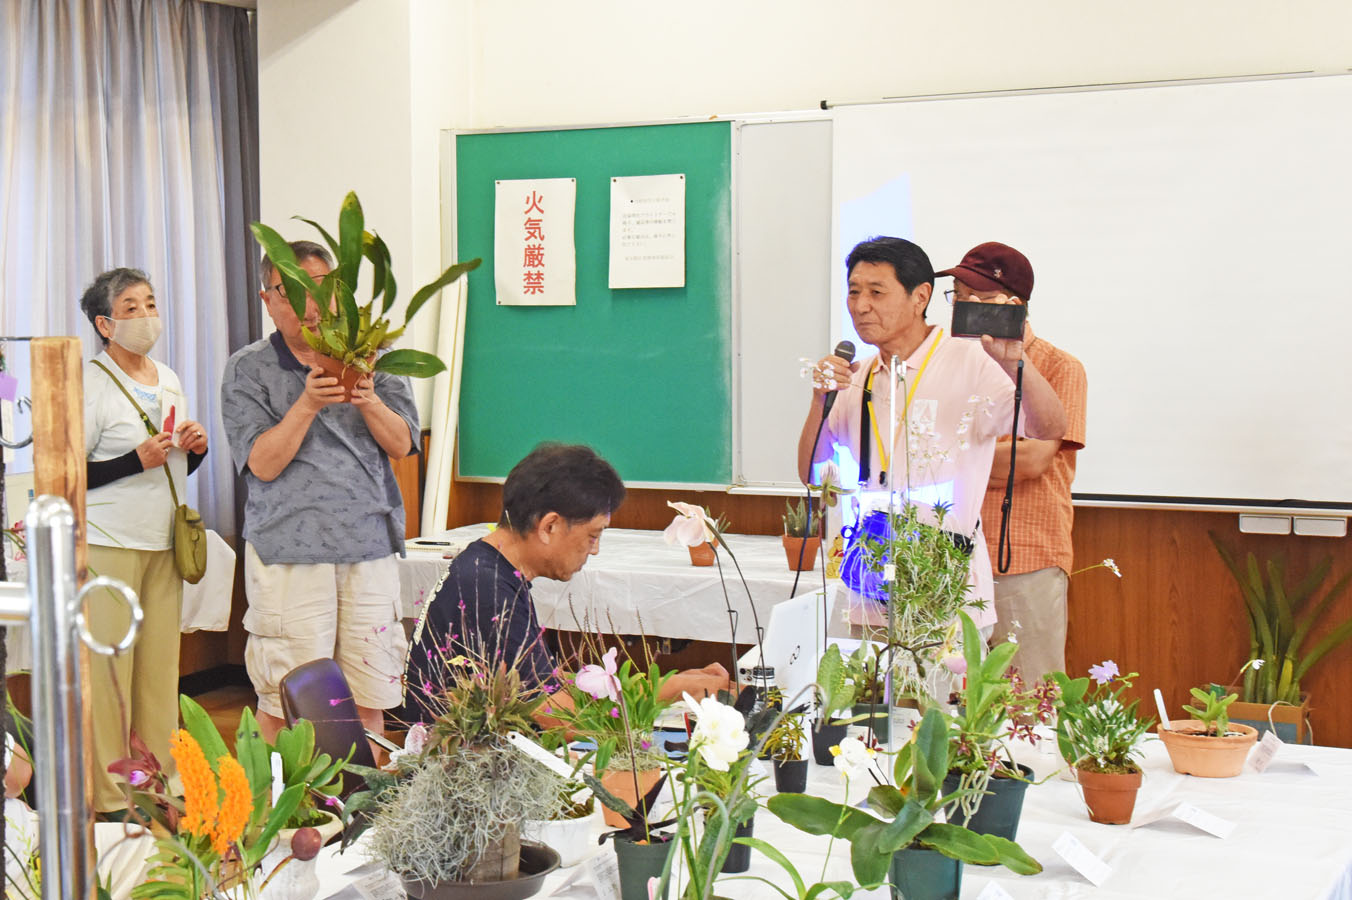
column 1175, row 616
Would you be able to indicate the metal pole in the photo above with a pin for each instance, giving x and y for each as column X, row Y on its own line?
column 65, row 831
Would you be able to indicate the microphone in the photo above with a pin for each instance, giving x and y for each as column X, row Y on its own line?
column 845, row 350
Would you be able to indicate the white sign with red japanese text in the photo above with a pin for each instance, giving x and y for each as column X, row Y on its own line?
column 647, row 231
column 535, row 261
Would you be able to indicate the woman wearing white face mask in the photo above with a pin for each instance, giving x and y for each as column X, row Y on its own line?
column 136, row 428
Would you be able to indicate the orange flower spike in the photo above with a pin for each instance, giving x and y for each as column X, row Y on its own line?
column 236, row 805
column 199, row 784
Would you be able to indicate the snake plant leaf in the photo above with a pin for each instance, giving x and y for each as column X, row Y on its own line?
column 328, row 238
column 426, row 291
column 414, row 363
column 351, row 227
column 1285, row 623
column 1307, row 621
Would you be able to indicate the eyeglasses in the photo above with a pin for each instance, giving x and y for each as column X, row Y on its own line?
column 281, row 291
column 950, row 295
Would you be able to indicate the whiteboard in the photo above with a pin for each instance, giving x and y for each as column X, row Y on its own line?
column 1189, row 245
column 781, row 307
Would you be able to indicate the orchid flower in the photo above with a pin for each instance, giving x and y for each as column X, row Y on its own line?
column 853, row 758
column 719, row 735
column 600, row 681
column 691, row 527
column 1104, row 672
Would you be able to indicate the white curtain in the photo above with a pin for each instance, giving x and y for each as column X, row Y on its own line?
column 128, row 137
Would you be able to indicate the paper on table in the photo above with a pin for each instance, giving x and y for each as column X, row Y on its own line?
column 1190, row 814
column 993, row 891
column 1081, row 858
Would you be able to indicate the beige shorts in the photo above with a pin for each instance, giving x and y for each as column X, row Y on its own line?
column 302, row 612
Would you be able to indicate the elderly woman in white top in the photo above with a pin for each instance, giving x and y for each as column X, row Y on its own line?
column 137, row 429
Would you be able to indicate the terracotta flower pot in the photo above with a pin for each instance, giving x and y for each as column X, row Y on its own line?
column 347, row 376
column 620, row 782
column 1194, row 753
column 806, row 549
column 702, row 554
column 1110, row 796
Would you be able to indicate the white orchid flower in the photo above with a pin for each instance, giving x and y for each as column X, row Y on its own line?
column 719, row 735
column 691, row 526
column 853, row 758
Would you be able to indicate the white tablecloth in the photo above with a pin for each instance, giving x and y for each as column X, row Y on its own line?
column 636, row 584
column 1293, row 840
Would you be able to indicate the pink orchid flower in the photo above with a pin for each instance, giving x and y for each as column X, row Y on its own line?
column 600, row 681
column 690, row 527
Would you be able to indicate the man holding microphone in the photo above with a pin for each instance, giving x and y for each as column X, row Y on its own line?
column 950, row 398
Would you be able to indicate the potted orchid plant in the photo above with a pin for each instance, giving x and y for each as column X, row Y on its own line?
column 994, row 707
column 1099, row 735
column 1210, row 745
column 899, row 836
column 617, row 707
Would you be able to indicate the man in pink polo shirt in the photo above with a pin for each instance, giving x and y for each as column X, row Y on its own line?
column 961, row 399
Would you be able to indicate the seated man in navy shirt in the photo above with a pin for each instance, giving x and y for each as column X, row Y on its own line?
column 555, row 504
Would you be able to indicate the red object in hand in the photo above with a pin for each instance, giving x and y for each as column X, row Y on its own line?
column 169, row 421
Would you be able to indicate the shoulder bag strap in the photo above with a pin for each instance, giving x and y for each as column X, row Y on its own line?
column 145, row 420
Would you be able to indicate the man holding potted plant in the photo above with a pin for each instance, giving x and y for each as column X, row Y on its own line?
column 324, row 518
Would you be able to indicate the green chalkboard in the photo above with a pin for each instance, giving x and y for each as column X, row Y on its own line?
column 643, row 376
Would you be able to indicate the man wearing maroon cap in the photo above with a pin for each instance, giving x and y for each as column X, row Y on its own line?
column 1030, row 599
column 950, row 398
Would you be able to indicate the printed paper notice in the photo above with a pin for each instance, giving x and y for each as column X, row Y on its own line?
column 535, row 263
column 647, row 231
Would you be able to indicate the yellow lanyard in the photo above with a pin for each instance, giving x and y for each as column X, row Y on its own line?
column 883, row 455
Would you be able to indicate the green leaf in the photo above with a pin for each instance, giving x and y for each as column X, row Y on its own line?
column 899, row 833
column 777, row 857
column 328, row 238
column 817, row 815
column 347, row 305
column 379, row 255
column 957, row 842
column 867, row 856
column 885, row 800
column 426, row 291
column 931, row 754
column 350, row 230
column 252, row 752
column 414, row 363
column 198, row 724
column 296, row 281
column 282, row 810
column 1013, row 857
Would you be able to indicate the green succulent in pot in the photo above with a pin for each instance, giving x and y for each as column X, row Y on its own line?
column 351, row 333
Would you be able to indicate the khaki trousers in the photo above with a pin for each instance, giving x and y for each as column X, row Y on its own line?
column 1032, row 607
column 138, row 690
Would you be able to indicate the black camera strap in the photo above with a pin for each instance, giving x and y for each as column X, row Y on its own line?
column 1004, row 548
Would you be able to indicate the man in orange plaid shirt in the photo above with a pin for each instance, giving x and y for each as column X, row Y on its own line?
column 1030, row 599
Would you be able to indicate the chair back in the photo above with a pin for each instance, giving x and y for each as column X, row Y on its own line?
column 317, row 691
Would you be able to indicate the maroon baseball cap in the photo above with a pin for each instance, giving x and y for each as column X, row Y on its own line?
column 994, row 267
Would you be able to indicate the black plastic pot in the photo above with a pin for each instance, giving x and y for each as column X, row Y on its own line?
column 791, row 776
column 823, row 739
column 739, row 856
column 638, row 863
column 920, row 874
column 1000, row 809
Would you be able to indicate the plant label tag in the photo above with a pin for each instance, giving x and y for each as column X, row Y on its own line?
column 278, row 780
column 1200, row 818
column 993, row 891
column 540, row 754
column 604, row 869
column 1262, row 755
column 380, row 886
column 1164, row 715
column 1081, row 858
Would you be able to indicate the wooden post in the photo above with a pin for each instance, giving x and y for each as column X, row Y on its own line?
column 59, row 469
column 58, row 429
